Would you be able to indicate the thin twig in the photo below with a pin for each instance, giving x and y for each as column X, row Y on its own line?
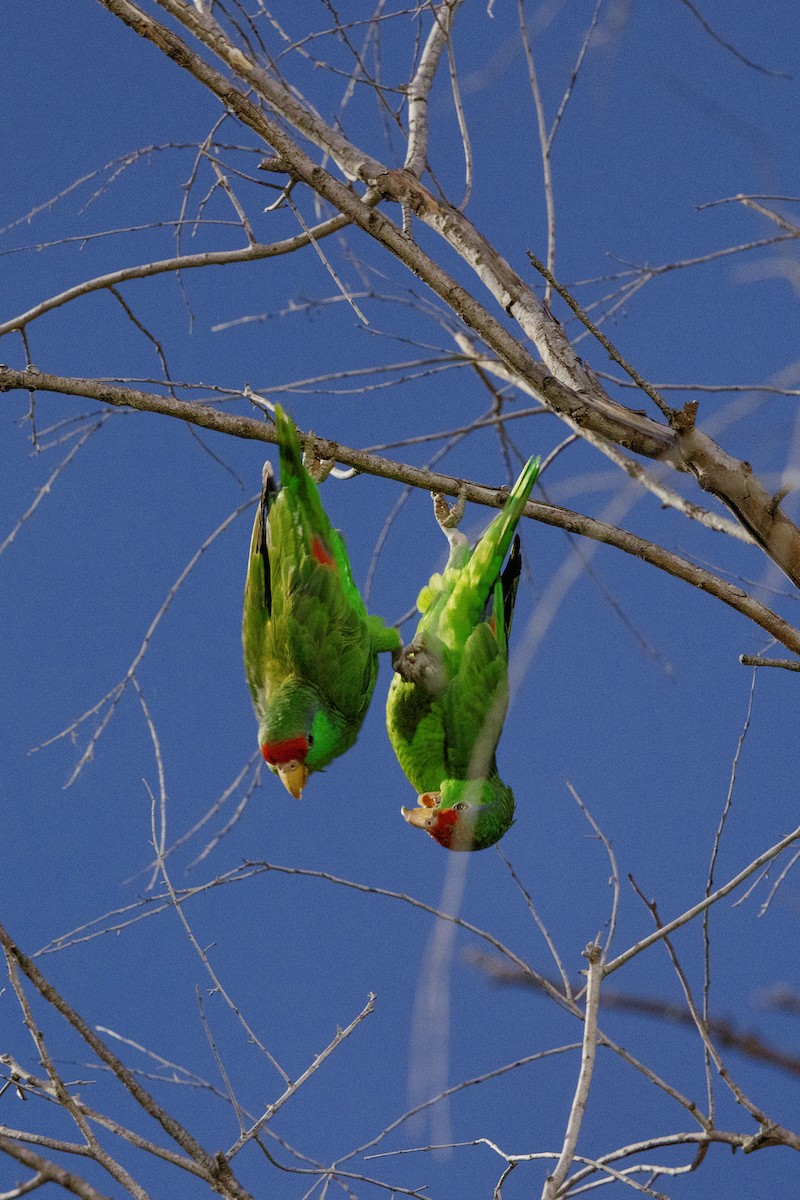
column 565, row 981
column 695, row 910
column 544, row 144
column 607, row 345
column 612, row 860
column 341, row 1034
column 159, row 838
column 115, row 694
column 552, row 1186
column 565, row 99
column 710, row 883
column 729, row 46
column 46, row 488
column 326, row 262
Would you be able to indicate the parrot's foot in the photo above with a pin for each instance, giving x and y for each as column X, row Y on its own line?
column 449, row 518
column 415, row 664
column 318, row 468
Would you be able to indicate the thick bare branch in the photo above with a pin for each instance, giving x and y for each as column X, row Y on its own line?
column 420, row 86
column 372, row 464
column 48, row 1172
column 561, row 379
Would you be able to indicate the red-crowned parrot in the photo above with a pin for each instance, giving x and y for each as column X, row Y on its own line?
column 448, row 700
column 310, row 649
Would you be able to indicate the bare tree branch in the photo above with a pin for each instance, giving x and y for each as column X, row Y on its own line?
column 218, row 1174
column 727, row 1033
column 696, row 909
column 548, row 514
column 46, row 1172
column 563, row 381
column 554, row 1181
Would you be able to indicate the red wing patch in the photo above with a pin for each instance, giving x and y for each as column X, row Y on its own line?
column 277, row 753
column 321, row 552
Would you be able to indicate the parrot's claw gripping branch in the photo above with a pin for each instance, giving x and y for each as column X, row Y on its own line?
column 450, row 518
column 318, row 468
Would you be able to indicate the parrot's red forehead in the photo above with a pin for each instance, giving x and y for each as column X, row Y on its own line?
column 278, row 753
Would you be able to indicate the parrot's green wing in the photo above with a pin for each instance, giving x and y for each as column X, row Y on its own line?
column 476, row 703
column 257, row 606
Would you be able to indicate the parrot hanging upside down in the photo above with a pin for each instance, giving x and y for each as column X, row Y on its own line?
column 310, row 649
column 448, row 701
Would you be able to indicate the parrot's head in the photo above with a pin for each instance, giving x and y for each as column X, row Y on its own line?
column 465, row 814
column 299, row 736
column 287, row 758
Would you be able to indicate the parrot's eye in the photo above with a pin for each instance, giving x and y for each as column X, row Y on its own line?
column 461, row 806
column 430, row 821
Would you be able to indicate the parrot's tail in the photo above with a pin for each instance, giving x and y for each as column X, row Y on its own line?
column 488, row 555
column 289, row 445
column 294, row 476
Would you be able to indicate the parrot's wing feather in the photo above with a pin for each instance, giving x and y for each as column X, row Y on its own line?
column 324, row 639
column 476, row 704
column 509, row 581
column 257, row 606
column 310, row 530
column 318, row 628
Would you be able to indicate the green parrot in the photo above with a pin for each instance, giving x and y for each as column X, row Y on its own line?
column 310, row 649
column 449, row 698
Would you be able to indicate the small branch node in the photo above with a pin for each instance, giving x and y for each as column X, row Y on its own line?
column 755, row 660
column 276, row 164
column 683, row 420
column 770, row 1134
column 778, row 499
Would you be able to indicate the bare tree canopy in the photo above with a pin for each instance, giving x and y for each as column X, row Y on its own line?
column 445, row 236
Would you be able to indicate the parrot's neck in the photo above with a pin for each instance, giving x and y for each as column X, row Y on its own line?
column 496, row 816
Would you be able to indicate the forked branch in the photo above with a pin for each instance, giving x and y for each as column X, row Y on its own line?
column 560, row 378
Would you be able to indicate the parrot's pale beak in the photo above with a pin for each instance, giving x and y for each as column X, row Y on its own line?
column 416, row 816
column 419, row 816
column 294, row 777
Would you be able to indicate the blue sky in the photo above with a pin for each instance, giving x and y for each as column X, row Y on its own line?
column 634, row 693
